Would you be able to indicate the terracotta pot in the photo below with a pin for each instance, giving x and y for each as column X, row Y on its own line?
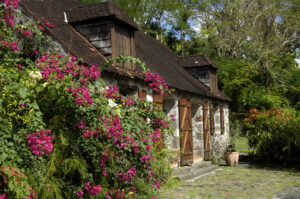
column 232, row 158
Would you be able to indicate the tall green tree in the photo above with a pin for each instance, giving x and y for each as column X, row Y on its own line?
column 261, row 31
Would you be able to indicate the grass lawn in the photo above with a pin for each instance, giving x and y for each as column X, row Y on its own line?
column 244, row 181
column 242, row 144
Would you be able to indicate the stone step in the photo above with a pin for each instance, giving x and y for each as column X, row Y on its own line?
column 187, row 169
column 193, row 173
column 189, row 172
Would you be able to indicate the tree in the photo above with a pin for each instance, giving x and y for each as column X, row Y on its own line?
column 260, row 31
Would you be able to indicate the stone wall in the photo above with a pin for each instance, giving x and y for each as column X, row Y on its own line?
column 220, row 141
column 197, row 122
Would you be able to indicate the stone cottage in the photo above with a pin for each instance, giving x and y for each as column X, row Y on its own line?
column 101, row 31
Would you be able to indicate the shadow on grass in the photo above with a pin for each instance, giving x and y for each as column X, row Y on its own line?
column 262, row 163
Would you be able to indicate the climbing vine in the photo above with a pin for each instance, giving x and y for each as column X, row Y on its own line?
column 65, row 133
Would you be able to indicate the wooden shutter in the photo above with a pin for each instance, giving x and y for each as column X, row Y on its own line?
column 186, row 138
column 206, row 132
column 158, row 101
column 142, row 94
column 212, row 118
column 222, row 119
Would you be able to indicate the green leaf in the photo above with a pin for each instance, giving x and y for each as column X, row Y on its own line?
column 23, row 92
column 34, row 105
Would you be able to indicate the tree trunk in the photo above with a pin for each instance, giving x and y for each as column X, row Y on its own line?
column 181, row 42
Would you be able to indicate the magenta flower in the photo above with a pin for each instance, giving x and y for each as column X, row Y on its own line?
column 49, row 24
column 88, row 133
column 156, row 136
column 40, row 143
column 13, row 46
column 128, row 175
column 3, row 196
column 87, row 185
column 42, row 28
column 156, row 82
column 81, row 124
column 103, row 159
column 94, row 190
column 79, row 193
column 104, row 170
column 148, row 148
column 146, row 158
column 4, row 43
column 111, row 92
column 156, row 185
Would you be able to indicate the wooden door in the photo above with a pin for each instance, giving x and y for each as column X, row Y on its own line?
column 186, row 138
column 206, row 132
column 158, row 101
column 212, row 118
column 222, row 119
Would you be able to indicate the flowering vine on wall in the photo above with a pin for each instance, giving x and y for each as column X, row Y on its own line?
column 65, row 133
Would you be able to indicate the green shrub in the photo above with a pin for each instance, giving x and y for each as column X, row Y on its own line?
column 274, row 133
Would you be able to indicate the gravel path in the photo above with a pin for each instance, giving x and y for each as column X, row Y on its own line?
column 242, row 182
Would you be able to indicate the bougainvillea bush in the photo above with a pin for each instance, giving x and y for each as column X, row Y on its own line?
column 64, row 133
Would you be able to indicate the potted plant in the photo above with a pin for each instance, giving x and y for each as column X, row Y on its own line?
column 231, row 155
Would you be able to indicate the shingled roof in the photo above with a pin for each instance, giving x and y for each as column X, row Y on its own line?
column 158, row 57
column 94, row 11
column 66, row 35
column 197, row 61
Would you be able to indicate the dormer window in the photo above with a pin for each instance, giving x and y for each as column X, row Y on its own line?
column 108, row 28
column 203, row 68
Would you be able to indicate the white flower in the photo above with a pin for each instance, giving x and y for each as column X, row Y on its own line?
column 35, row 75
column 112, row 103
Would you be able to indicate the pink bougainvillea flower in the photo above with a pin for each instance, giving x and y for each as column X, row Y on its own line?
column 94, row 190
column 13, row 46
column 103, row 159
column 87, row 185
column 49, row 24
column 128, row 175
column 156, row 82
column 9, row 19
column 91, row 189
column 156, row 185
column 146, row 158
column 42, row 28
column 3, row 196
column 81, row 124
column 148, row 148
column 156, row 135
column 79, row 193
column 172, row 117
column 111, row 92
column 19, row 66
column 26, row 32
column 40, row 143
column 4, row 43
column 104, row 170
